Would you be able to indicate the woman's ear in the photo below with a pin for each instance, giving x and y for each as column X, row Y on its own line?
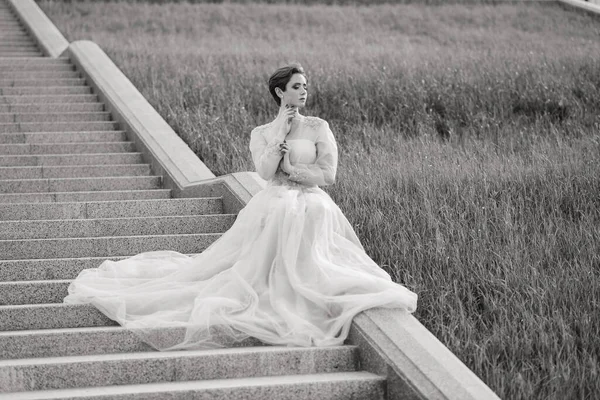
column 279, row 92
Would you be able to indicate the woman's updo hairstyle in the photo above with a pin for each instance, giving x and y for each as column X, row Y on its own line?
column 281, row 77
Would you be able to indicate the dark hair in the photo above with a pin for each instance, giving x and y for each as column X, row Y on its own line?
column 281, row 77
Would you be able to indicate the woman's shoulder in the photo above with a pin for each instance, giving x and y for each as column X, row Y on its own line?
column 314, row 123
column 259, row 130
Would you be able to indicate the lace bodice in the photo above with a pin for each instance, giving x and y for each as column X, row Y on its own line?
column 313, row 154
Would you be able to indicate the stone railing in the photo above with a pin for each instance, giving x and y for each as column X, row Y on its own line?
column 43, row 31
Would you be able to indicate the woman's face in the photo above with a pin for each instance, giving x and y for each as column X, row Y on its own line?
column 295, row 91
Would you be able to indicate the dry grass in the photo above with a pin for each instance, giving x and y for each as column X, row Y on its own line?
column 470, row 142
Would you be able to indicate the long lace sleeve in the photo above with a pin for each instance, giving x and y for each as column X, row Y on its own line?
column 322, row 171
column 266, row 155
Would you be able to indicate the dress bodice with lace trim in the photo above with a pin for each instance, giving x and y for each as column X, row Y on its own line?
column 313, row 154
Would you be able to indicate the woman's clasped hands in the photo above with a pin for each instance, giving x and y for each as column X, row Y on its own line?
column 284, row 119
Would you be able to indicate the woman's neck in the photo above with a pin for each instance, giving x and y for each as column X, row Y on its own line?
column 282, row 109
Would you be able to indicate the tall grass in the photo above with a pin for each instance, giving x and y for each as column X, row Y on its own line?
column 469, row 137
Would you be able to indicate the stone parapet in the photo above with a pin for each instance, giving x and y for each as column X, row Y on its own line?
column 168, row 155
column 417, row 365
column 43, row 31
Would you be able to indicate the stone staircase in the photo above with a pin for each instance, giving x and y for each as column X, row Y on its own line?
column 74, row 192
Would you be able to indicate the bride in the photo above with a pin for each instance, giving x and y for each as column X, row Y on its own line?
column 290, row 271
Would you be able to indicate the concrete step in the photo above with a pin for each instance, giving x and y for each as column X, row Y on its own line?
column 10, row 43
column 92, row 171
column 48, row 90
column 81, row 341
column 51, row 108
column 9, row 24
column 20, row 54
column 14, row 33
column 41, row 82
column 33, row 292
column 54, row 117
column 111, row 209
column 105, row 227
column 74, row 126
column 35, row 66
column 41, row 74
column 67, row 137
column 28, row 51
column 103, row 246
column 16, row 41
column 153, row 367
column 12, row 46
column 51, row 316
column 61, row 197
column 36, row 99
column 331, row 386
column 80, row 184
column 71, row 159
column 5, row 32
column 65, row 148
column 8, row 27
column 33, row 61
column 47, row 269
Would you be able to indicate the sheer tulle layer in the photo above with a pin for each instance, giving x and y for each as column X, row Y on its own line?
column 290, row 271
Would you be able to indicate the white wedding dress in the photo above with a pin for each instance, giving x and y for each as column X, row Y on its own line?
column 290, row 271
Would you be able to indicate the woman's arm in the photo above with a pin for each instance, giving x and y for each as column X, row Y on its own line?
column 322, row 171
column 266, row 155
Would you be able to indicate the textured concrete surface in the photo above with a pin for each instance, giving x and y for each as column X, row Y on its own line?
column 51, row 107
column 18, row 74
column 79, row 184
column 7, row 173
column 141, row 226
column 334, row 386
column 110, row 209
column 52, row 117
column 65, row 148
column 76, row 126
column 15, row 198
column 42, row 82
column 155, row 367
column 63, row 342
column 30, row 69
column 44, row 90
column 71, row 159
column 67, row 98
column 103, row 246
column 48, row 269
column 50, row 316
column 66, row 137
column 20, row 53
column 104, row 183
column 33, row 292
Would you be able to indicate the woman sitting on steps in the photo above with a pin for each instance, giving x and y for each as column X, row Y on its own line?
column 290, row 271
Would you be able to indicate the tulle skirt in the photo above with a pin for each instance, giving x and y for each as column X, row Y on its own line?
column 290, row 271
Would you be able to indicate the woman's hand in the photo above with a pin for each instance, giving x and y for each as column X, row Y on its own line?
column 284, row 120
column 286, row 165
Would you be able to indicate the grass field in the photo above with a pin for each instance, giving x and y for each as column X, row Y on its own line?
column 470, row 151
